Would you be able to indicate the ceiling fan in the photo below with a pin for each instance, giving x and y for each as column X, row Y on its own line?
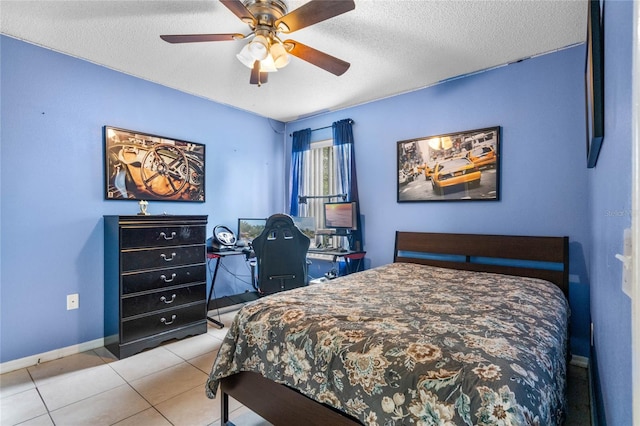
column 266, row 52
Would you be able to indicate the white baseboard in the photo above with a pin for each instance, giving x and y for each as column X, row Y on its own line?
column 32, row 360
column 5, row 367
column 579, row 361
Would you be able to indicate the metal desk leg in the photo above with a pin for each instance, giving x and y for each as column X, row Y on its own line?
column 213, row 283
column 351, row 265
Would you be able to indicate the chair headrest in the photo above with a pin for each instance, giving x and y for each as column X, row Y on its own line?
column 279, row 220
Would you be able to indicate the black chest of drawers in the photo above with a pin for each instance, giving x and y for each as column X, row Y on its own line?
column 154, row 280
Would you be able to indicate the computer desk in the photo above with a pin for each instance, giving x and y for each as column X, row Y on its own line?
column 350, row 257
column 217, row 256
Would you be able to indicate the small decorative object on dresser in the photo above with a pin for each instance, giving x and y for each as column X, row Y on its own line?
column 143, row 207
column 154, row 280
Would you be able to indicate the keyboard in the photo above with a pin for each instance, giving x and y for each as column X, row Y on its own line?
column 326, row 250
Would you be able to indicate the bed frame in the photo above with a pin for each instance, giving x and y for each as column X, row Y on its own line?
column 538, row 257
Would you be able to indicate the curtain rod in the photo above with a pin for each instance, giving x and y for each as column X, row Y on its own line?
column 302, row 199
column 321, row 128
column 325, row 127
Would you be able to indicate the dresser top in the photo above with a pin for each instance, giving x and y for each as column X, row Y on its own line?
column 160, row 219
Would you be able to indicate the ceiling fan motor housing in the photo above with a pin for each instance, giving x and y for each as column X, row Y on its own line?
column 266, row 12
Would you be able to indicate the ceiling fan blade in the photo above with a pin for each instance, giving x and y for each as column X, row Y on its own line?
column 313, row 12
column 320, row 59
column 258, row 77
column 240, row 10
column 195, row 38
column 255, row 73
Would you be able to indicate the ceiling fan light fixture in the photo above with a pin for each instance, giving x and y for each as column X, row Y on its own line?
column 259, row 47
column 268, row 65
column 280, row 56
column 264, row 51
column 245, row 57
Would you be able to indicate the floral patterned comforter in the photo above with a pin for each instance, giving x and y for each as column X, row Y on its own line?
column 408, row 344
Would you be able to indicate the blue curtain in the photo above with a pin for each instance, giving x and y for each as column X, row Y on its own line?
column 300, row 144
column 345, row 156
column 343, row 144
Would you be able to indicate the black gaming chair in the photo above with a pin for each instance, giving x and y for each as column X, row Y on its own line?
column 281, row 256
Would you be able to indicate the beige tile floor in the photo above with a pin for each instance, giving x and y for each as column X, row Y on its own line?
column 161, row 386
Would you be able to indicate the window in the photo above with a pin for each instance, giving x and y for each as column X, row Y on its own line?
column 320, row 179
column 323, row 171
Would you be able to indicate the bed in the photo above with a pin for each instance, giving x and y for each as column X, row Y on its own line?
column 459, row 329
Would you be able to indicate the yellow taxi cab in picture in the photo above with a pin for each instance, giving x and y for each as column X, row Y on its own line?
column 427, row 169
column 454, row 175
column 483, row 156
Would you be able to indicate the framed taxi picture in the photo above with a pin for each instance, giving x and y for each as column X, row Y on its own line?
column 460, row 166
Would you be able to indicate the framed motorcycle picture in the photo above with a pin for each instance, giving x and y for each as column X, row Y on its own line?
column 142, row 166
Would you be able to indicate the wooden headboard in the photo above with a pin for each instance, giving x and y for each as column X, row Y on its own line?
column 538, row 257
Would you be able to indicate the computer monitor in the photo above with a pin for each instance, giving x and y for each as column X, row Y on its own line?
column 249, row 228
column 341, row 216
column 308, row 227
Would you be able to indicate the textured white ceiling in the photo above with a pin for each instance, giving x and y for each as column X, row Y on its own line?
column 393, row 46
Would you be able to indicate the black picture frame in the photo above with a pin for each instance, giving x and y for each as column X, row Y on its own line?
column 459, row 166
column 594, row 82
column 143, row 166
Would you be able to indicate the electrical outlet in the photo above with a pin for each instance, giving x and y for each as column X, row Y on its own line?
column 73, row 301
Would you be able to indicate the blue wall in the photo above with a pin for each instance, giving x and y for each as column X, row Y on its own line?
column 540, row 105
column 52, row 113
column 53, row 108
column 610, row 214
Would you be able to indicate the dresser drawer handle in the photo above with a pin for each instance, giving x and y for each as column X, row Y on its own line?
column 163, row 235
column 168, row 259
column 164, row 278
column 164, row 299
column 164, row 320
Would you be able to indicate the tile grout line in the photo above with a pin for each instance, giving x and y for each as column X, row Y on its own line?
column 136, row 391
column 183, row 361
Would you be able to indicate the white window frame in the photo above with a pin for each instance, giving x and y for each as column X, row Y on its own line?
column 316, row 187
